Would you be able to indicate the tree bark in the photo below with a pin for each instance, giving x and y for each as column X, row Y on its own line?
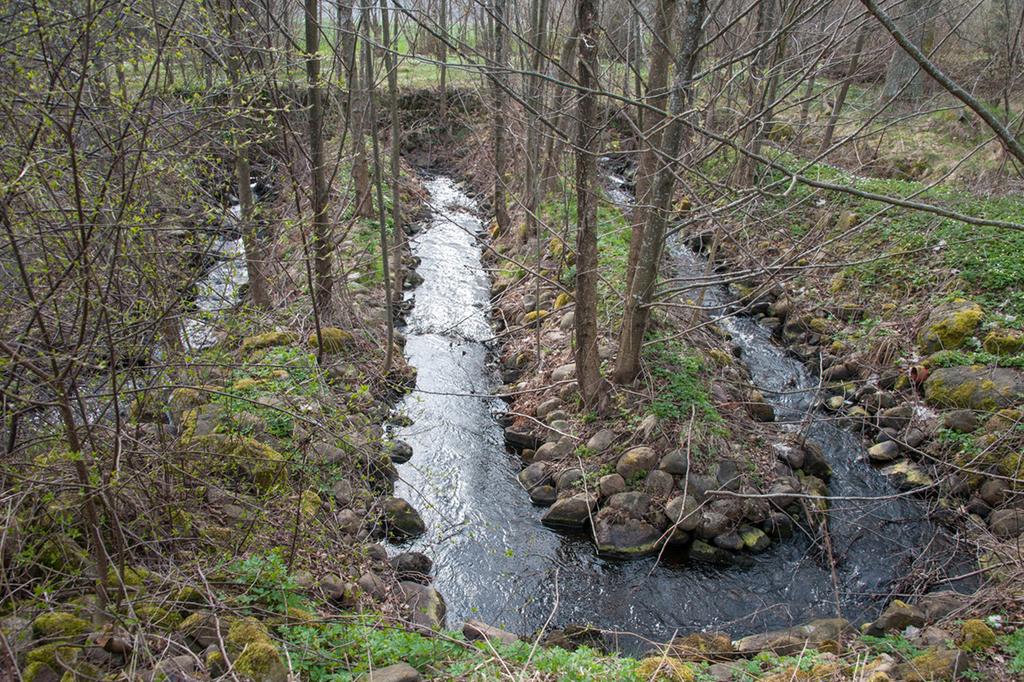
column 498, row 93
column 322, row 265
column 356, row 112
column 396, row 203
column 844, row 89
column 588, row 375
column 904, row 80
column 637, row 310
column 656, row 97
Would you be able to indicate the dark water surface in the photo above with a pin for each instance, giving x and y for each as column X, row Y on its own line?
column 495, row 561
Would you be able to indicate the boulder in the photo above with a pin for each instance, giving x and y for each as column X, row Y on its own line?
column 674, row 463
column 632, row 503
column 961, row 421
column 759, row 409
column 624, row 536
column 399, row 672
column 938, row 605
column 1004, row 341
column 635, row 462
column 949, row 325
column 478, row 630
column 791, row 641
column 426, row 606
column 609, row 485
column 895, row 417
column 658, row 483
column 400, row 451
column 402, row 520
column 412, row 566
column 934, row 665
column 815, row 462
column 975, row 387
column 569, row 480
column 535, row 475
column 544, row 495
column 683, row 513
column 547, row 407
column 897, row 616
column 702, row 646
column 712, row 524
column 907, row 475
column 564, row 372
column 1006, row 523
column 886, row 451
column 600, row 441
column 731, row 541
column 754, row 539
column 570, row 512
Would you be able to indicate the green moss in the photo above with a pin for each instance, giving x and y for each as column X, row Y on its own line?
column 261, row 662
column 534, row 316
column 310, row 503
column 562, row 300
column 244, row 631
column 268, row 340
column 133, row 577
column 949, row 326
column 1004, row 342
column 34, row 670
column 665, row 669
column 261, row 463
column 58, row 624
column 334, row 340
column 52, row 654
column 975, row 635
column 158, row 616
column 189, row 598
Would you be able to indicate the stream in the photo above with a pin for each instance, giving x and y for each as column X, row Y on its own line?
column 495, row 561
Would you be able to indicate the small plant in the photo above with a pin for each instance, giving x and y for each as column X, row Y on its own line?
column 266, row 582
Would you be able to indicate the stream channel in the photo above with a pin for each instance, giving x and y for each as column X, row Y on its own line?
column 495, row 561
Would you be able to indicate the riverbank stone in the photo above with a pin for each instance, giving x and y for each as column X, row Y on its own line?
column 636, row 462
column 1006, row 523
column 624, row 536
column 400, row 451
column 570, row 512
column 399, row 672
column 610, row 484
column 974, row 387
column 402, row 519
column 886, row 451
column 896, row 616
column 426, row 605
column 476, row 630
column 600, row 441
column 682, row 512
column 949, row 325
column 535, row 475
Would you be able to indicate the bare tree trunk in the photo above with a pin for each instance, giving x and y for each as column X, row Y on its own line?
column 396, row 204
column 904, row 80
column 498, row 92
column 356, row 111
column 553, row 153
column 851, row 72
column 657, row 98
column 442, row 56
column 254, row 256
column 324, row 281
column 381, row 219
column 637, row 310
column 588, row 376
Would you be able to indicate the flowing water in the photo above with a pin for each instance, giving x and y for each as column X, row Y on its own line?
column 496, row 562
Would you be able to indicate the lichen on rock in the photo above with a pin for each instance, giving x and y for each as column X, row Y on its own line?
column 949, row 325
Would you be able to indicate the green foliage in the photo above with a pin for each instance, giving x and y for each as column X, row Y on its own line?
column 680, row 384
column 894, row 644
column 1013, row 645
column 265, row 581
column 343, row 650
column 953, row 358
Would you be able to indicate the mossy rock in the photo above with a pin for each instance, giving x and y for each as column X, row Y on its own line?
column 246, row 384
column 1003, row 421
column 934, row 665
column 53, row 655
column 976, row 635
column 720, row 358
column 974, row 387
column 1004, row 341
column 133, row 577
column 59, row 625
column 949, row 325
column 268, row 340
column 158, row 617
column 562, row 300
column 188, row 599
column 309, row 503
column 534, row 316
column 334, row 340
column 665, row 669
column 257, row 461
column 244, row 631
column 261, row 662
column 185, row 398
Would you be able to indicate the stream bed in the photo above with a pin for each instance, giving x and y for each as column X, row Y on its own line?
column 495, row 561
